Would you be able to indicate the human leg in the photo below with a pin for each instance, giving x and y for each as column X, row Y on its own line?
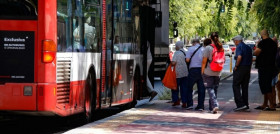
column 245, row 85
column 175, row 95
column 263, row 83
column 191, row 79
column 148, row 82
column 216, row 85
column 237, row 81
column 183, row 89
column 278, row 93
column 210, row 83
column 273, row 95
column 201, row 92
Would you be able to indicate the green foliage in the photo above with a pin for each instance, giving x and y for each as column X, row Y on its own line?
column 268, row 12
column 201, row 17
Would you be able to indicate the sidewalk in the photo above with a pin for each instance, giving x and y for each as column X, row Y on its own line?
column 160, row 117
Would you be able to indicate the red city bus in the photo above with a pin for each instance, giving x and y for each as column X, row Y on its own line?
column 66, row 57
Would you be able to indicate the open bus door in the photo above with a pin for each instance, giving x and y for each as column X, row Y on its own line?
column 147, row 26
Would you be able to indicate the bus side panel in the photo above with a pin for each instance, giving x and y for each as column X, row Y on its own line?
column 47, row 27
column 12, row 97
column 46, row 97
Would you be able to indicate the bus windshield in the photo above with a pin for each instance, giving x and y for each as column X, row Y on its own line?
column 19, row 9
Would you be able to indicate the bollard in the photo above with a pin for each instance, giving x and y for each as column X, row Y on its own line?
column 230, row 66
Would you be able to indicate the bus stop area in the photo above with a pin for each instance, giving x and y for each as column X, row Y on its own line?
column 160, row 117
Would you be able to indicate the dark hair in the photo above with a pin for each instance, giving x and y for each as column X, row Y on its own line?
column 215, row 38
column 207, row 42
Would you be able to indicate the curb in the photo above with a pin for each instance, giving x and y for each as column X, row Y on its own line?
column 226, row 77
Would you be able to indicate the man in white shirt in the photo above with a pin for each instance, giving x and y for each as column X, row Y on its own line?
column 194, row 58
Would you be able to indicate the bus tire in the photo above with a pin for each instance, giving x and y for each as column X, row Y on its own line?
column 90, row 97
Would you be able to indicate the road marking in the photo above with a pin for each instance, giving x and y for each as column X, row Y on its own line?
column 253, row 81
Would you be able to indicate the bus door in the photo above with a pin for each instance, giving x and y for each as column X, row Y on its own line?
column 123, row 51
column 18, row 42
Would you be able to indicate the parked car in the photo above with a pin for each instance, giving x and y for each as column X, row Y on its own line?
column 232, row 46
column 228, row 51
column 252, row 44
column 186, row 47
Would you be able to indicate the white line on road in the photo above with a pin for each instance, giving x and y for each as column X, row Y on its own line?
column 253, row 81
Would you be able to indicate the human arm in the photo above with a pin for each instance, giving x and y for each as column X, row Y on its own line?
column 257, row 52
column 206, row 55
column 237, row 62
column 203, row 64
column 174, row 59
column 188, row 55
column 258, row 49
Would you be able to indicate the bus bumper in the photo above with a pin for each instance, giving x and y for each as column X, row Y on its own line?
column 27, row 97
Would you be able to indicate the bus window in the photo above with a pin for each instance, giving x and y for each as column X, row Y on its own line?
column 92, row 25
column 123, row 27
column 78, row 26
column 64, row 26
column 92, row 2
column 19, row 9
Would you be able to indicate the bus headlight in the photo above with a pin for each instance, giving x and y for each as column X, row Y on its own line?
column 27, row 91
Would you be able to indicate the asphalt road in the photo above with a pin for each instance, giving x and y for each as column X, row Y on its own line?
column 46, row 125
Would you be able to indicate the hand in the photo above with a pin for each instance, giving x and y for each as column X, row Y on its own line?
column 235, row 68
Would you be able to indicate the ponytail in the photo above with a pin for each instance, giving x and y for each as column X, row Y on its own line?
column 215, row 38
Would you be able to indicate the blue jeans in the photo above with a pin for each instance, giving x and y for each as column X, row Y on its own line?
column 195, row 77
column 211, row 84
column 182, row 87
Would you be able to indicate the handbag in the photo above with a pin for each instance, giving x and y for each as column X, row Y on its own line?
column 169, row 79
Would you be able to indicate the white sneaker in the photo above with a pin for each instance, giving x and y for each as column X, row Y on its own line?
column 189, row 108
column 240, row 108
column 215, row 110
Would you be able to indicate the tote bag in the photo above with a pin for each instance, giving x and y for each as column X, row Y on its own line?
column 169, row 79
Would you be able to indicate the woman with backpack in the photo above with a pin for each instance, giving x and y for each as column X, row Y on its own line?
column 212, row 65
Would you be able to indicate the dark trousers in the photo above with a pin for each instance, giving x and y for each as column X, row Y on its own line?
column 182, row 88
column 241, row 78
column 195, row 77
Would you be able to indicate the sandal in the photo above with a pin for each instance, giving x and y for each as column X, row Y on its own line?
column 260, row 108
column 269, row 109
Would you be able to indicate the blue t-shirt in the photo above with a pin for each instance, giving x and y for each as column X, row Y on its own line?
column 245, row 52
